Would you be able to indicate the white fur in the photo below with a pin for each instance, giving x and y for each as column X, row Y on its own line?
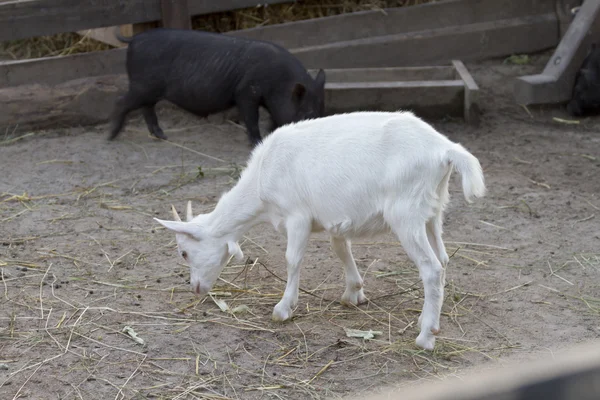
column 353, row 175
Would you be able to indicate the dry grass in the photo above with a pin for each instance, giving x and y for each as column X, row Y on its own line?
column 70, row 308
column 281, row 13
column 62, row 44
column 85, row 329
column 71, row 43
column 90, row 263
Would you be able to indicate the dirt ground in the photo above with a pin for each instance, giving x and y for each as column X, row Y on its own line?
column 81, row 259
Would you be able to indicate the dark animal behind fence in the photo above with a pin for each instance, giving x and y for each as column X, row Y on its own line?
column 205, row 73
column 586, row 91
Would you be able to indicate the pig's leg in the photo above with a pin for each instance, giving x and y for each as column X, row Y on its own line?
column 152, row 122
column 124, row 106
column 248, row 108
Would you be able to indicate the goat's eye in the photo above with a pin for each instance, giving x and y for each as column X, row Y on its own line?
column 184, row 254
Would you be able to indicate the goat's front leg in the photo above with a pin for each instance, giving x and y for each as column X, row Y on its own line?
column 353, row 295
column 298, row 232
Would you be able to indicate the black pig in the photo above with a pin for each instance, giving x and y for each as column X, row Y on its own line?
column 205, row 73
column 586, row 91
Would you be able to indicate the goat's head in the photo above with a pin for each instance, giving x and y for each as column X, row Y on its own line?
column 205, row 253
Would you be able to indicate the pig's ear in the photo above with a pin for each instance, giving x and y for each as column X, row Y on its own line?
column 320, row 79
column 298, row 91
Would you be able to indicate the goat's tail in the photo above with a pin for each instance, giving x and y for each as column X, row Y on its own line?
column 470, row 170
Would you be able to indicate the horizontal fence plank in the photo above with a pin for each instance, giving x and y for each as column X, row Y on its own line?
column 85, row 101
column 24, row 19
column 467, row 42
column 366, row 24
column 56, row 70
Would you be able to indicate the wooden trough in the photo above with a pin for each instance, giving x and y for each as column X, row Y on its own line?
column 431, row 91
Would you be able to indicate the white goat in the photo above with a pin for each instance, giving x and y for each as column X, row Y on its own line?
column 353, row 175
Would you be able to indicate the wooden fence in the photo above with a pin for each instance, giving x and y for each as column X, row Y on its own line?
column 433, row 34
column 447, row 30
column 24, row 19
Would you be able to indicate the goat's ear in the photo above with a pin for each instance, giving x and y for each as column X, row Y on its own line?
column 235, row 250
column 186, row 228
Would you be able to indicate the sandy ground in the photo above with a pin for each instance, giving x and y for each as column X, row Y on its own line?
column 81, row 259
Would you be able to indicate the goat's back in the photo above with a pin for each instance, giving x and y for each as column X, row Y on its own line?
column 349, row 168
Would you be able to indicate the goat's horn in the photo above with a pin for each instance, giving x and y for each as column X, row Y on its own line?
column 190, row 215
column 175, row 215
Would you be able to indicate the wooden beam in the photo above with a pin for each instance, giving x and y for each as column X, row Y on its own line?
column 400, row 20
column 175, row 14
column 24, row 19
column 57, row 70
column 420, row 73
column 428, row 99
column 555, row 83
column 471, row 107
column 79, row 102
column 437, row 46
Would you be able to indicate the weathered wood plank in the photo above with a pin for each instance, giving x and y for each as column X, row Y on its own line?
column 367, row 24
column 175, row 14
column 78, row 102
column 388, row 74
column 23, row 19
column 428, row 99
column 555, row 83
column 471, row 107
column 56, row 70
column 466, row 42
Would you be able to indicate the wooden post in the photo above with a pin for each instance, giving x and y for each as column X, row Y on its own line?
column 175, row 14
column 471, row 106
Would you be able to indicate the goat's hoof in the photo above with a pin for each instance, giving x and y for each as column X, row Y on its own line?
column 425, row 341
column 281, row 313
column 354, row 298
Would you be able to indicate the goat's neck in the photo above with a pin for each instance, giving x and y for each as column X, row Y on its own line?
column 237, row 211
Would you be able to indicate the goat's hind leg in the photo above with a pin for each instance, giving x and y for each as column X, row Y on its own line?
column 353, row 295
column 298, row 232
column 434, row 235
column 413, row 236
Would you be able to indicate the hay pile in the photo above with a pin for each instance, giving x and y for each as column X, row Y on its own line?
column 71, row 43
